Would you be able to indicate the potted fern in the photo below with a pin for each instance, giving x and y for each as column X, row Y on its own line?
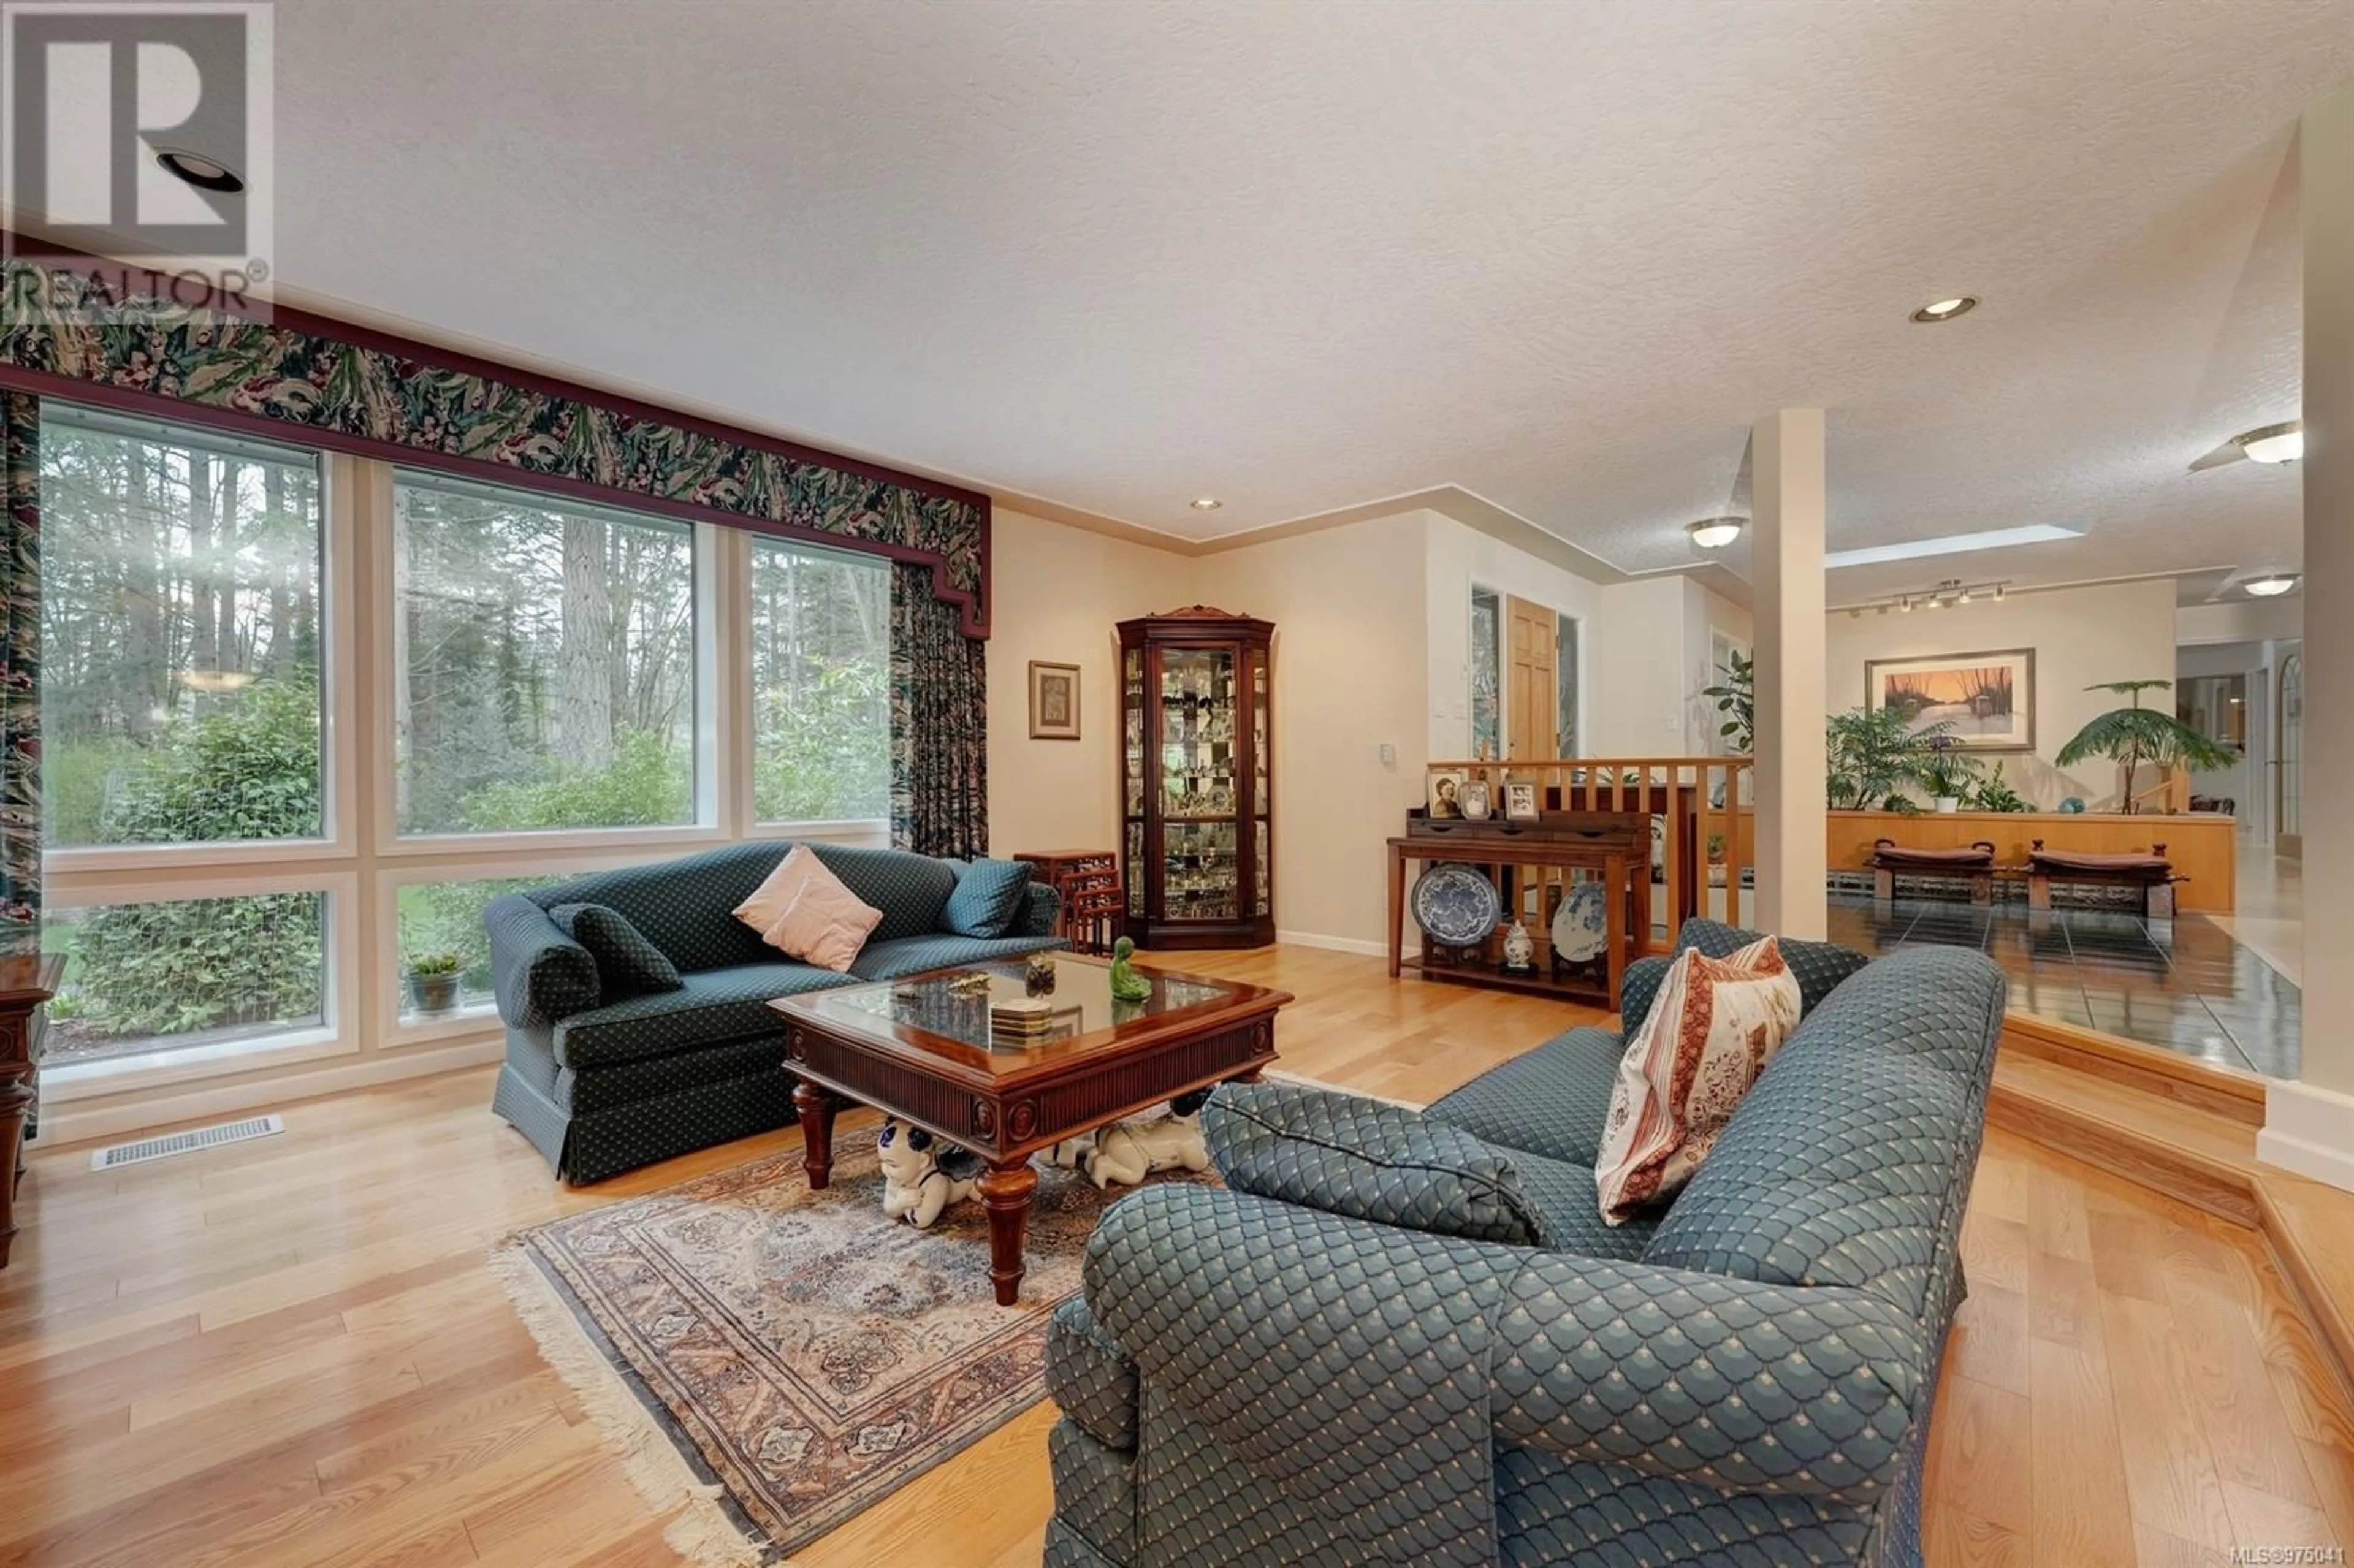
column 2133, row 734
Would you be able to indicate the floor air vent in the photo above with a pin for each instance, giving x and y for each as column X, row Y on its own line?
column 173, row 1143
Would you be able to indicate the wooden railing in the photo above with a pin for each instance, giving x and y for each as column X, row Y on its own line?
column 1704, row 824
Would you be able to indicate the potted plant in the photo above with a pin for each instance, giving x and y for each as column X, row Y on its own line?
column 1997, row 795
column 2130, row 736
column 1870, row 754
column 1736, row 699
column 433, row 980
column 1947, row 772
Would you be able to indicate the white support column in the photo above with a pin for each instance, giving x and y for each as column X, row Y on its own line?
column 1787, row 568
column 2309, row 1125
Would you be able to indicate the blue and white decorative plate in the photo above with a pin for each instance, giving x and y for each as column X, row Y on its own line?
column 1455, row 904
column 1579, row 926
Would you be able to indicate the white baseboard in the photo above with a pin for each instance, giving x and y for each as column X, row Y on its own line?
column 2310, row 1131
column 68, row 1123
column 1332, row 943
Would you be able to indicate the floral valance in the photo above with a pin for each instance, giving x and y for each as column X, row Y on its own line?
column 331, row 384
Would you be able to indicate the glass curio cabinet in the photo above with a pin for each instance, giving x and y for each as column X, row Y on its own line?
column 1197, row 761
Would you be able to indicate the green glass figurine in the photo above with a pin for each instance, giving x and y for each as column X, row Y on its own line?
column 1127, row 985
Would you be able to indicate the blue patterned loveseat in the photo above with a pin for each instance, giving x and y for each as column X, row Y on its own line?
column 1405, row 1337
column 603, row 1087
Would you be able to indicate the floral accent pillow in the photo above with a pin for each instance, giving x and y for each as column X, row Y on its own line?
column 1715, row 1025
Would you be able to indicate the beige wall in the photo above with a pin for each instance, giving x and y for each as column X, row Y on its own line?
column 1351, row 675
column 1456, row 559
column 2119, row 631
column 1060, row 592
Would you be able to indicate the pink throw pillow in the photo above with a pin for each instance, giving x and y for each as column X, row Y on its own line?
column 774, row 896
column 826, row 924
column 1715, row 1025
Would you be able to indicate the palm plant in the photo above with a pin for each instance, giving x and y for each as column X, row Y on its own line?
column 2133, row 736
column 1870, row 754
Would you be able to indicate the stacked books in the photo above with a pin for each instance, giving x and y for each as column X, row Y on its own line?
column 1024, row 1021
column 1021, row 1020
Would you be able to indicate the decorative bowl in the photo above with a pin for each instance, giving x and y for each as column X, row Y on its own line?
column 1455, row 904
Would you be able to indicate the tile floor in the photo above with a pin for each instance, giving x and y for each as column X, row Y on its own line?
column 2182, row 985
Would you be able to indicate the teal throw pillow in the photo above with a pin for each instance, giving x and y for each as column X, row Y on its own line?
column 626, row 963
column 989, row 898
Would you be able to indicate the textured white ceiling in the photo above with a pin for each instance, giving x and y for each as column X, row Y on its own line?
column 1303, row 255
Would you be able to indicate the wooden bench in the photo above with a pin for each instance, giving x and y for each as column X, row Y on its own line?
column 2152, row 872
column 1976, row 863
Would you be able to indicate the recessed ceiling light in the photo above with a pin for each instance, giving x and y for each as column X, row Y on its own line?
column 1205, row 503
column 1952, row 545
column 199, row 171
column 1715, row 533
column 2271, row 586
column 1946, row 310
column 2273, row 444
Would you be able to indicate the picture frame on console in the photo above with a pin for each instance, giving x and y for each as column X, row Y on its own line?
column 1445, row 792
column 1054, row 701
column 1988, row 697
column 1520, row 802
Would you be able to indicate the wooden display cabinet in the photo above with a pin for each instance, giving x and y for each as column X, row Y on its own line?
column 1197, row 779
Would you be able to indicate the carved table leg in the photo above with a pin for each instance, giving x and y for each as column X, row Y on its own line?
column 1005, row 1192
column 816, row 1108
column 15, row 1104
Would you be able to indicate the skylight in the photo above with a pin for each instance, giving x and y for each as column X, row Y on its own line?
column 1951, row 545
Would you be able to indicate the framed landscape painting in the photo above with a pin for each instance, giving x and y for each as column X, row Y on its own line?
column 1988, row 698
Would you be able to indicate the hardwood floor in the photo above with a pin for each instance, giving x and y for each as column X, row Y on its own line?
column 290, row 1351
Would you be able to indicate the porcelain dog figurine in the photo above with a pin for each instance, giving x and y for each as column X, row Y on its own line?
column 921, row 1175
column 1127, row 1152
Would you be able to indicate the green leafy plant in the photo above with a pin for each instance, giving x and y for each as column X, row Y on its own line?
column 1736, row 699
column 436, row 964
column 1946, row 771
column 1995, row 795
column 1870, row 754
column 2132, row 736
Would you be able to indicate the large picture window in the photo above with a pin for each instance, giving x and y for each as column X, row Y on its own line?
column 821, row 697
column 181, row 972
column 181, row 628
column 543, row 663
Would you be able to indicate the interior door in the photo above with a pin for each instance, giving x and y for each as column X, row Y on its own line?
column 2289, row 768
column 1534, row 731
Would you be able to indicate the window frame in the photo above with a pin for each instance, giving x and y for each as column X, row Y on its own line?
column 338, row 760
column 390, row 842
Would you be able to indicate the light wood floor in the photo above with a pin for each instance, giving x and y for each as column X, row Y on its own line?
column 292, row 1353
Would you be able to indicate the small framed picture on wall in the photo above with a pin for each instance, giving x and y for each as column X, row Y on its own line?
column 1054, row 701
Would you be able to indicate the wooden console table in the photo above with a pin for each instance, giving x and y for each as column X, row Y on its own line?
column 1616, row 845
column 26, row 982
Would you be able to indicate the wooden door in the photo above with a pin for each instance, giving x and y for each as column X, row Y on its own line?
column 1533, row 731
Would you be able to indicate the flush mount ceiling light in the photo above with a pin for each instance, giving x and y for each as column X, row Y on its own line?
column 1946, row 310
column 195, row 169
column 1715, row 533
column 1953, row 545
column 2272, row 586
column 2273, row 444
column 1205, row 503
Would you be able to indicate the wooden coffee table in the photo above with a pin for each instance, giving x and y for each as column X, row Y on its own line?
column 921, row 1051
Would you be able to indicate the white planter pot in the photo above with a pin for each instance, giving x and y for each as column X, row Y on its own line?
column 1948, row 803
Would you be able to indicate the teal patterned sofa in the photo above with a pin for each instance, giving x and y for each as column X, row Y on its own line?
column 603, row 1087
column 1403, row 1337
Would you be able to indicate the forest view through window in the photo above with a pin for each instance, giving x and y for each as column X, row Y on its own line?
column 546, row 663
column 820, row 685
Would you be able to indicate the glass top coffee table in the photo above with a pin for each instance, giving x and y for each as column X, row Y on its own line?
column 920, row 1048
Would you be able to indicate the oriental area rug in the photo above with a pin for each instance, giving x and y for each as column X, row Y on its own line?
column 779, row 1360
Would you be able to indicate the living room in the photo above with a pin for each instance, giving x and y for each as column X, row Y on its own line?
column 799, row 891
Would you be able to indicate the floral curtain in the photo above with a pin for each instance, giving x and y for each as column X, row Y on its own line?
column 20, row 671
column 939, row 725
